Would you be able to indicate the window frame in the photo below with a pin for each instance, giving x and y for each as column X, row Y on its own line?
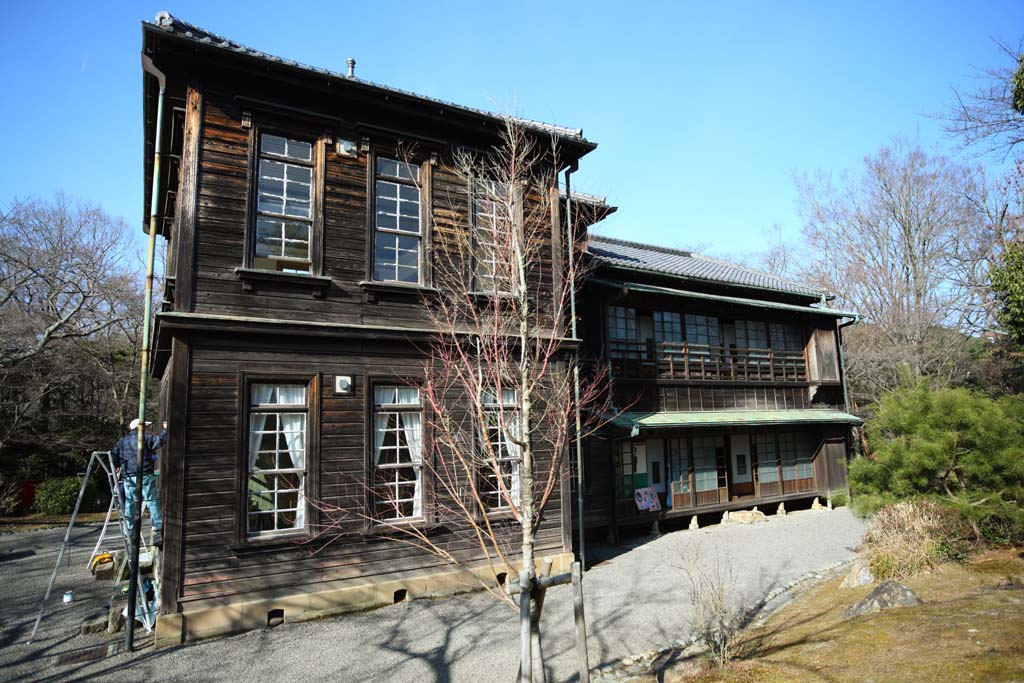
column 423, row 184
column 496, row 408
column 291, row 131
column 311, row 486
column 630, row 317
column 427, row 513
column 499, row 286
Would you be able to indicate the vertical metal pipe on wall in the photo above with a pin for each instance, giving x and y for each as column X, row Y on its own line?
column 571, row 244
column 136, row 512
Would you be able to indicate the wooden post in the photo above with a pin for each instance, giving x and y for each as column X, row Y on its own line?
column 525, row 665
column 581, row 623
column 538, row 606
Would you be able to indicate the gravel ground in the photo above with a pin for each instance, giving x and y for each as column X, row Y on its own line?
column 636, row 601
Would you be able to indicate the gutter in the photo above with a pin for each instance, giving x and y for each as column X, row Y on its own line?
column 842, row 357
column 147, row 323
column 571, row 245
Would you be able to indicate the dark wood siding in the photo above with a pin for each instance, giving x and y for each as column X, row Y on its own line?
column 214, row 563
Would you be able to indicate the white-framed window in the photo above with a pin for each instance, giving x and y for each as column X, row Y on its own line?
column 489, row 223
column 502, row 456
column 397, row 230
column 397, row 453
column 623, row 334
column 278, row 416
column 795, row 453
column 284, row 205
column 767, row 458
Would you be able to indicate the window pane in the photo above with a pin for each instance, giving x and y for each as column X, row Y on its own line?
column 286, row 147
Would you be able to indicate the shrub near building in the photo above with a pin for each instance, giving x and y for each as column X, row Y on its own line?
column 956, row 446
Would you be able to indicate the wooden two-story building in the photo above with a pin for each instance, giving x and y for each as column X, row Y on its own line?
column 728, row 385
column 304, row 212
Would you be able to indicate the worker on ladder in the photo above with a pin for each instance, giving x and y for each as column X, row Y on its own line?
column 124, row 455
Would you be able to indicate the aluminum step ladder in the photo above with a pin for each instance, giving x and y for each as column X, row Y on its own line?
column 146, row 609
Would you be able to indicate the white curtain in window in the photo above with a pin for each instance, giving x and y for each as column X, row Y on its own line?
column 261, row 393
column 412, row 426
column 512, row 420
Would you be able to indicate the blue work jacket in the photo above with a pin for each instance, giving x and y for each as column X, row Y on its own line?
column 125, row 452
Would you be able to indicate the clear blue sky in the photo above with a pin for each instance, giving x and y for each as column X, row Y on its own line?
column 703, row 111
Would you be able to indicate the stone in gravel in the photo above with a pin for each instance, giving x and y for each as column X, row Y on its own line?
column 781, row 511
column 816, row 505
column 859, row 575
column 748, row 516
column 94, row 623
column 887, row 595
column 693, row 522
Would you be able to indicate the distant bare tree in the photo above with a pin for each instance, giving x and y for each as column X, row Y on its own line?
column 991, row 118
column 904, row 243
column 67, row 297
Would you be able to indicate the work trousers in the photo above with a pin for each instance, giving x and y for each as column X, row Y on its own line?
column 149, row 496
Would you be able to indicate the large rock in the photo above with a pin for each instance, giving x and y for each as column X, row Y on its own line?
column 860, row 575
column 887, row 595
column 747, row 517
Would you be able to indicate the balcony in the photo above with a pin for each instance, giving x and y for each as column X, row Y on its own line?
column 683, row 361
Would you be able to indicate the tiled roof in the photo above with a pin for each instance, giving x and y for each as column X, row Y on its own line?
column 687, row 265
column 170, row 24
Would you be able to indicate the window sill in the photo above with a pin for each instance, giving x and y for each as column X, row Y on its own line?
column 374, row 288
column 405, row 525
column 250, row 276
column 260, row 543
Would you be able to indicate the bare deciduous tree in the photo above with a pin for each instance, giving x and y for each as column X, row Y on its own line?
column 498, row 388
column 904, row 243
column 68, row 301
column 991, row 118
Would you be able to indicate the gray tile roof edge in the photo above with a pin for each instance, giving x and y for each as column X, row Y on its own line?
column 181, row 28
column 794, row 287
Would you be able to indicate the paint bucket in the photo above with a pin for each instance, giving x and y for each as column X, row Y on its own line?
column 69, row 597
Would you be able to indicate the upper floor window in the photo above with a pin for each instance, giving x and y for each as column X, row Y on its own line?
column 751, row 334
column 397, row 453
column 785, row 337
column 701, row 331
column 502, row 455
column 623, row 334
column 668, row 327
column 284, row 205
column 277, row 458
column 398, row 229
column 489, row 225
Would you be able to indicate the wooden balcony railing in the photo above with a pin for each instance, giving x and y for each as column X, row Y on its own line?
column 679, row 360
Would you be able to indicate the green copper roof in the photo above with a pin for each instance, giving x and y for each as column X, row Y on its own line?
column 725, row 418
column 760, row 303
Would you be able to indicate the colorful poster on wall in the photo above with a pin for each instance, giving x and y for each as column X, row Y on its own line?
column 647, row 499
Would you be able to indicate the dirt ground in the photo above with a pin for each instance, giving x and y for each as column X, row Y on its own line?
column 970, row 627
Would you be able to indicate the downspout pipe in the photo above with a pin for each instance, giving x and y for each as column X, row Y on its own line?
column 842, row 360
column 147, row 322
column 571, row 244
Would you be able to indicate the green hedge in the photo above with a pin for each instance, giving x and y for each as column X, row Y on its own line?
column 58, row 496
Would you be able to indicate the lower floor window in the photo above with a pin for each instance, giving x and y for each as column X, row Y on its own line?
column 625, row 466
column 501, row 457
column 397, row 453
column 277, row 458
column 795, row 452
column 707, row 451
column 767, row 458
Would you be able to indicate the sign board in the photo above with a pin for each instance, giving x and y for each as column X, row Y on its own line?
column 647, row 499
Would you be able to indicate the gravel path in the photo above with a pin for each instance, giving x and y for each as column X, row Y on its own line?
column 637, row 601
